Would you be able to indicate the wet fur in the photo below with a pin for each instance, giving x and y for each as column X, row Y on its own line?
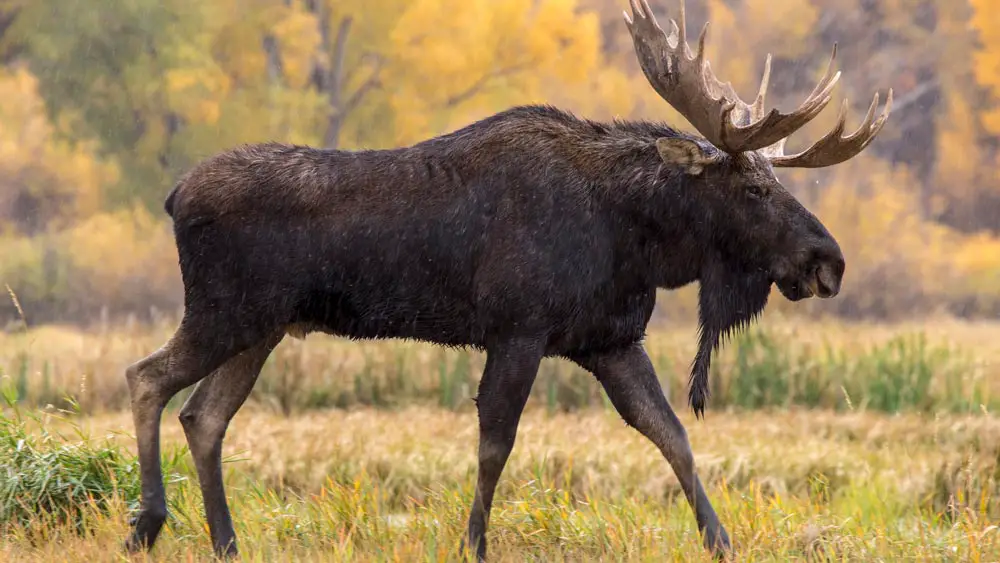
column 529, row 220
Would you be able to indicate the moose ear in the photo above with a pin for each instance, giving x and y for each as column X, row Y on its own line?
column 684, row 153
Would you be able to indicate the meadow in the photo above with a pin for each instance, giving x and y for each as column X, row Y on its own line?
column 825, row 440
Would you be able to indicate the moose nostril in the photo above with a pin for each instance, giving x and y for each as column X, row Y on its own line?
column 827, row 277
column 839, row 266
column 824, row 289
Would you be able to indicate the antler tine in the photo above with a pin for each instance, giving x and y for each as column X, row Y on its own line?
column 757, row 110
column 681, row 26
column 832, row 148
column 700, row 55
column 828, row 75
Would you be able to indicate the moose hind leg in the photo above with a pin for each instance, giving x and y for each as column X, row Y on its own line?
column 507, row 379
column 205, row 417
column 630, row 381
column 152, row 382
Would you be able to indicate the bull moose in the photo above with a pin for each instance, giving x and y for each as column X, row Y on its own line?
column 531, row 233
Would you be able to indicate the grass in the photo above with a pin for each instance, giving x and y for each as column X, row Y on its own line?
column 825, row 441
column 936, row 366
column 55, row 479
column 376, row 485
column 904, row 373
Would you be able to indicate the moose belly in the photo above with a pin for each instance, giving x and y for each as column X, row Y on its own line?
column 368, row 307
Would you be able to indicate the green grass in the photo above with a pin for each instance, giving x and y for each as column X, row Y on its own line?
column 57, row 479
column 904, row 373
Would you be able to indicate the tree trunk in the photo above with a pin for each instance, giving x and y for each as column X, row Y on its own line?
column 335, row 83
column 330, row 76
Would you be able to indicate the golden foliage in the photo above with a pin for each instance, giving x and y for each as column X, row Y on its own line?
column 896, row 258
column 959, row 162
column 986, row 21
column 42, row 178
column 123, row 260
column 297, row 33
column 112, row 250
column 787, row 23
column 484, row 55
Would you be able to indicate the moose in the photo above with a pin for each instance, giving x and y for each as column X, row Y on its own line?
column 528, row 234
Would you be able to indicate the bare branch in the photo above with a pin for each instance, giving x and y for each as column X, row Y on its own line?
column 481, row 83
column 319, row 72
column 272, row 50
column 330, row 75
column 373, row 81
column 915, row 94
column 275, row 66
column 7, row 19
column 335, row 78
column 368, row 57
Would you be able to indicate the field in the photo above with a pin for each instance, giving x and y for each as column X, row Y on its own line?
column 825, row 441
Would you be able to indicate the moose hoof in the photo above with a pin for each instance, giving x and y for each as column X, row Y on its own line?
column 145, row 529
column 717, row 541
column 464, row 551
column 227, row 550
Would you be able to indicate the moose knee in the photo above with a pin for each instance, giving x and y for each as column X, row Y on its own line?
column 189, row 418
column 202, row 429
column 145, row 381
column 134, row 376
column 195, row 420
column 495, row 449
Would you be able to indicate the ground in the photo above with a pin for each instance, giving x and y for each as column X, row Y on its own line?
column 373, row 485
column 826, row 441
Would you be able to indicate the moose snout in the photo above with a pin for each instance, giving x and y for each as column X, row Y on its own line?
column 827, row 277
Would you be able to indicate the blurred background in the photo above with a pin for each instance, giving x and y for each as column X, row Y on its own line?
column 106, row 102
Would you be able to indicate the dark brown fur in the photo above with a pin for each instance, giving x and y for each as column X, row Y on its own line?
column 531, row 233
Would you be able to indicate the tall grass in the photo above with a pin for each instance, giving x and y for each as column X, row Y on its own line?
column 905, row 373
column 50, row 478
column 773, row 365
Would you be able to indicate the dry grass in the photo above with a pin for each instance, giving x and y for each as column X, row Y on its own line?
column 395, row 486
column 394, row 482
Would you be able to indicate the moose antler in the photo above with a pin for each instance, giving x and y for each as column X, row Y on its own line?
column 685, row 81
column 833, row 148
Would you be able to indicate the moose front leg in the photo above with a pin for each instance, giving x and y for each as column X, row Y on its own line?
column 630, row 381
column 511, row 367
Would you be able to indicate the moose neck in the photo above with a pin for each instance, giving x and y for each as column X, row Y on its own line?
column 661, row 216
column 658, row 220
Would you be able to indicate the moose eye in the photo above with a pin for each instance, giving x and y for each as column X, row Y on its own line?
column 756, row 191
